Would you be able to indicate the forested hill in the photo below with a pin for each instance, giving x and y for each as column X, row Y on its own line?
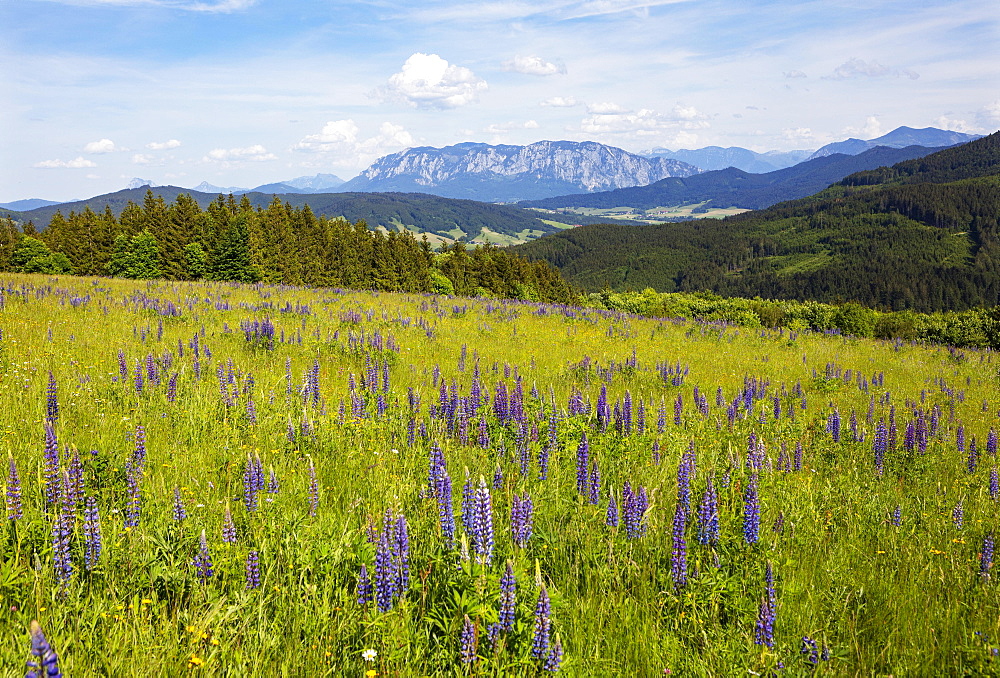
column 928, row 241
column 733, row 187
column 281, row 243
column 448, row 218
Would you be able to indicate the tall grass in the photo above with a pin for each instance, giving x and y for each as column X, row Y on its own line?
column 907, row 599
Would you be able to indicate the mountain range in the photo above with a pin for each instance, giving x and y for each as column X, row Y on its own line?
column 733, row 187
column 898, row 138
column 509, row 173
column 716, row 158
column 923, row 234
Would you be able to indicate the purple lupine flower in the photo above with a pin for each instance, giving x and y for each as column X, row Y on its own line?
column 554, row 658
column 364, row 588
column 611, row 517
column 468, row 641
column 897, row 516
column 91, row 534
column 678, row 409
column 62, row 530
column 482, row 532
column 272, row 484
column 833, row 425
column 313, row 490
column 51, row 401
column 582, row 464
column 446, row 511
column 986, row 556
column 543, row 625
column 809, row 650
column 402, row 553
column 139, row 455
column 122, row 365
column 973, row 460
column 133, row 505
column 879, row 446
column 51, row 471
column 798, row 456
column 15, row 510
column 253, row 570
column 180, row 511
column 751, row 512
column 139, row 379
column 508, row 598
column 678, row 558
column 708, row 515
column 764, row 628
column 634, row 506
column 595, row 484
column 47, row 663
column 685, row 469
column 172, row 388
column 483, row 438
column 960, row 438
column 522, row 519
column 252, row 481
column 385, row 572
column 958, row 515
column 468, row 505
column 498, row 478
column 203, row 560
column 994, row 483
column 228, row 527
column 991, row 443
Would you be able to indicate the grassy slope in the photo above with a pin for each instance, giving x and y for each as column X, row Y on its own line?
column 902, row 600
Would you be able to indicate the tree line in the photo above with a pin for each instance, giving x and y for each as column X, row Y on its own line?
column 232, row 240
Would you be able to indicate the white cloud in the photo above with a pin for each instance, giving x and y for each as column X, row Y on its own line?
column 143, row 159
column 643, row 122
column 342, row 139
column 533, row 65
column 955, row 125
column 858, row 68
column 797, row 134
column 102, row 146
column 560, row 102
column 989, row 115
column 163, row 145
column 255, row 153
column 795, row 74
column 504, row 127
column 78, row 163
column 219, row 7
column 871, row 129
column 605, row 107
column 429, row 81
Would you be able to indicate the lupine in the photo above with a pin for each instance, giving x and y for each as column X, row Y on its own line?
column 678, row 559
column 385, row 572
column 973, row 460
column 133, row 505
column 554, row 657
column 47, row 663
column 15, row 509
column 522, row 519
column 482, row 531
column 994, row 483
column 634, row 505
column 228, row 527
column 180, row 511
column 879, row 446
column 751, row 512
column 51, row 401
column 62, row 530
column 91, row 534
column 253, row 570
column 364, row 589
column 595, row 484
column 543, row 626
column 897, row 516
column 958, row 515
column 51, row 467
column 708, row 515
column 611, row 516
column 446, row 512
column 402, row 552
column 468, row 641
column 203, row 560
column 764, row 628
column 272, row 484
column 986, row 558
column 582, row 464
column 508, row 598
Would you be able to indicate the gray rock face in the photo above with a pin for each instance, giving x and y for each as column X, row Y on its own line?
column 507, row 172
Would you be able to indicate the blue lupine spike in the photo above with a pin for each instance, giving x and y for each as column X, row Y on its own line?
column 47, row 663
column 364, row 589
column 508, row 598
column 543, row 626
column 203, row 560
column 15, row 509
column 751, row 512
column 92, row 534
column 468, row 641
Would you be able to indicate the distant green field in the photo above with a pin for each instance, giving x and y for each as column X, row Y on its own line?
column 653, row 215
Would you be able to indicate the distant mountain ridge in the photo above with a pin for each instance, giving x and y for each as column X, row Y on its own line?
column 507, row 173
column 318, row 183
column 900, row 137
column 733, row 187
column 717, row 158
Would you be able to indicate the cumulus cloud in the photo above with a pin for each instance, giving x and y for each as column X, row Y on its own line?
column 560, row 102
column 77, row 163
column 643, row 122
column 871, row 129
column 533, row 65
column 342, row 138
column 163, row 145
column 428, row 81
column 605, row 107
column 255, row 153
column 989, row 115
column 858, row 68
column 102, row 146
column 955, row 125
column 794, row 74
column 797, row 134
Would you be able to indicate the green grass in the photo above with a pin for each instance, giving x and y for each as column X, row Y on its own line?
column 904, row 600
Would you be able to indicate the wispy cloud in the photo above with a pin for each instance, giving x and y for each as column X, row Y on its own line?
column 560, row 102
column 858, row 68
column 77, row 163
column 163, row 145
column 533, row 65
column 428, row 81
column 221, row 6
column 255, row 153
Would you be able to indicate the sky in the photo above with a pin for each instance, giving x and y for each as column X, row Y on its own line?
column 247, row 92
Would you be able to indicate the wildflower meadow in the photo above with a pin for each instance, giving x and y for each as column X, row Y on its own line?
column 226, row 479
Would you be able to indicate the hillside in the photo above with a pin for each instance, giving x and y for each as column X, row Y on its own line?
column 920, row 244
column 446, row 218
column 733, row 187
column 508, row 173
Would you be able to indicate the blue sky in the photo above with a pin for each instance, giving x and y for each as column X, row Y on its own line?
column 245, row 92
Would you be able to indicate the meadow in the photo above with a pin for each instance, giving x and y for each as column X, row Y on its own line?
column 233, row 479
